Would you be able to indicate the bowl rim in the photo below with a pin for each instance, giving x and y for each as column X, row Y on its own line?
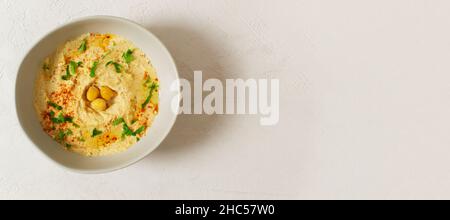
column 87, row 18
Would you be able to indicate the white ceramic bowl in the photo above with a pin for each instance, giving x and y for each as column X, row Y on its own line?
column 160, row 58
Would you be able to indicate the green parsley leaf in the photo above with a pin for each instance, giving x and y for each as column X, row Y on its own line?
column 117, row 66
column 93, row 69
column 67, row 76
column 139, row 130
column 46, row 66
column 61, row 135
column 68, row 119
column 73, row 67
column 82, row 47
column 150, row 94
column 128, row 56
column 118, row 121
column 54, row 105
column 60, row 119
column 96, row 132
column 126, row 130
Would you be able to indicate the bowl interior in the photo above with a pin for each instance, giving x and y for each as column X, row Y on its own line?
column 143, row 39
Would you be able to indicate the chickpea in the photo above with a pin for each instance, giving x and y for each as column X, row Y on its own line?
column 107, row 93
column 99, row 104
column 92, row 93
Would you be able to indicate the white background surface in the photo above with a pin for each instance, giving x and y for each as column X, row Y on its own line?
column 365, row 101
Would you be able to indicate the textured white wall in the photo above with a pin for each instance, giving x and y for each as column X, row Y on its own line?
column 365, row 90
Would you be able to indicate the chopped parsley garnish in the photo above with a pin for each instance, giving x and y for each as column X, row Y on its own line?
column 46, row 66
column 71, row 69
column 54, row 105
column 68, row 119
column 118, row 121
column 67, row 76
column 128, row 56
column 117, row 66
column 61, row 135
column 68, row 145
column 96, row 132
column 60, row 119
column 134, row 121
column 82, row 47
column 93, row 69
column 150, row 94
column 139, row 130
column 128, row 132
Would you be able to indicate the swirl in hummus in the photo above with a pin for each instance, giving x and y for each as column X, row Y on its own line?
column 97, row 95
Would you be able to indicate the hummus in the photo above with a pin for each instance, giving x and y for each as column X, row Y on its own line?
column 97, row 95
